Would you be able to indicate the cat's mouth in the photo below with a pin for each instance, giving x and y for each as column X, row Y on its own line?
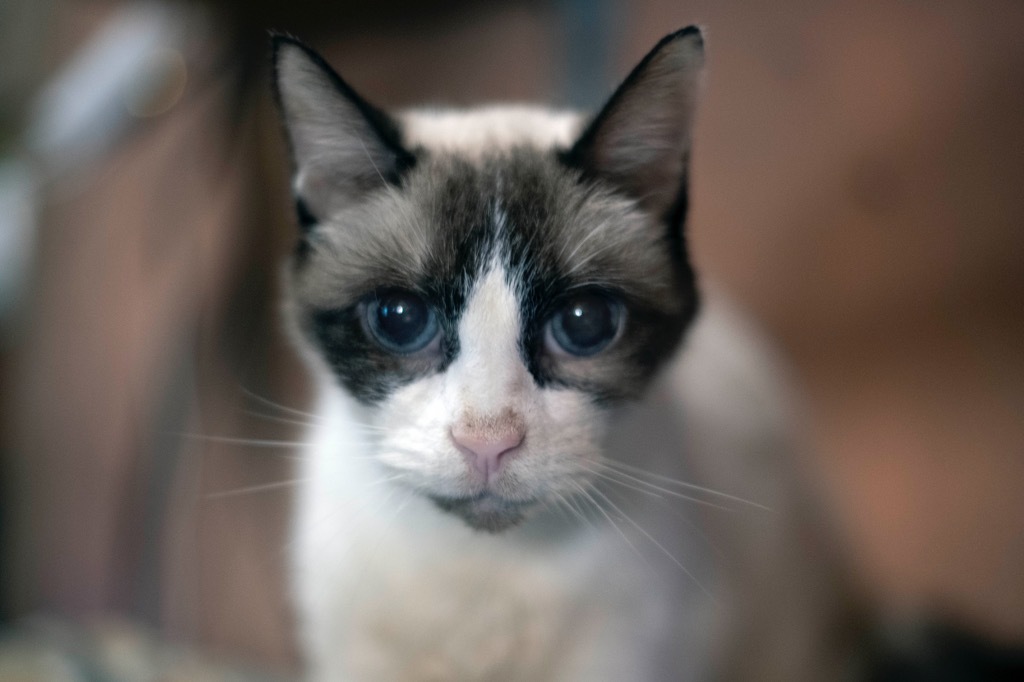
column 486, row 511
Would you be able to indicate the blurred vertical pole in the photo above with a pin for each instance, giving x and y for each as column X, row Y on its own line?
column 22, row 26
column 589, row 40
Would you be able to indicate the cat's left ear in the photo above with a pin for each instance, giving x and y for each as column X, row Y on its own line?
column 342, row 146
column 640, row 140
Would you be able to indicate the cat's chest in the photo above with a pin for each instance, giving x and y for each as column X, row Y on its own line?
column 415, row 614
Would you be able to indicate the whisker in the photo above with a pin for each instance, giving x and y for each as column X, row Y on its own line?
column 300, row 417
column 685, row 518
column 657, row 544
column 599, row 470
column 573, row 502
column 370, row 428
column 619, row 466
column 606, row 475
column 268, row 444
column 409, row 497
column 233, row 440
column 563, row 502
column 553, row 503
column 587, row 496
column 280, row 420
column 284, row 408
column 360, row 511
column 265, row 487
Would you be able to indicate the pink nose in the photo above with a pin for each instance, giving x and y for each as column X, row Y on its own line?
column 486, row 449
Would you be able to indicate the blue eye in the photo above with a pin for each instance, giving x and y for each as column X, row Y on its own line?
column 585, row 324
column 401, row 321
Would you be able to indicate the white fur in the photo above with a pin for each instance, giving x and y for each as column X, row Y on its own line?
column 391, row 588
column 617, row 587
column 488, row 377
column 473, row 132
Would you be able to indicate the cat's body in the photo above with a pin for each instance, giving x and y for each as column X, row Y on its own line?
column 487, row 300
column 392, row 588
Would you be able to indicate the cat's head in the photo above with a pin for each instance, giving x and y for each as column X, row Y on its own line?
column 490, row 283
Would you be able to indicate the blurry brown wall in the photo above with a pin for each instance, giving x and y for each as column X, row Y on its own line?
column 857, row 185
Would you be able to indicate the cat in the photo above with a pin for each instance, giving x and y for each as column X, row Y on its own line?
column 492, row 303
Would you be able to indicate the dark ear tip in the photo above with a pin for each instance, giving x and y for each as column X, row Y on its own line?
column 693, row 34
column 279, row 41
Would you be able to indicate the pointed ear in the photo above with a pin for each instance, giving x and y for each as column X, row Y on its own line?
column 640, row 141
column 342, row 146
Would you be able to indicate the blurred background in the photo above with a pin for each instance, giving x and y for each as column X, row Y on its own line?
column 858, row 186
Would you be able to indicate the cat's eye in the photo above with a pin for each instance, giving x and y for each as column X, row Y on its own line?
column 401, row 321
column 585, row 324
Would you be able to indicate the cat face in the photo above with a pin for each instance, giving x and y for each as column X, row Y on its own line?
column 490, row 283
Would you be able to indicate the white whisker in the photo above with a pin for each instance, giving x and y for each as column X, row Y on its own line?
column 233, row 440
column 657, row 544
column 265, row 487
column 357, row 515
column 608, row 473
column 587, row 496
column 563, row 502
column 279, row 420
column 284, row 408
column 683, row 484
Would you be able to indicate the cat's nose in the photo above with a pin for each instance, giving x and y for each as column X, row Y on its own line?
column 485, row 449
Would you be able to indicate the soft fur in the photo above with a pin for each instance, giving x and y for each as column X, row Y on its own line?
column 408, row 564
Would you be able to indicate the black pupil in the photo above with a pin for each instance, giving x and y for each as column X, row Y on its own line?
column 588, row 322
column 402, row 317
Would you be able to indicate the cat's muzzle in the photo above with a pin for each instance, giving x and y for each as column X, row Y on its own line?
column 486, row 511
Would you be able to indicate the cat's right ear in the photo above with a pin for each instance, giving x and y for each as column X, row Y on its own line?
column 342, row 146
